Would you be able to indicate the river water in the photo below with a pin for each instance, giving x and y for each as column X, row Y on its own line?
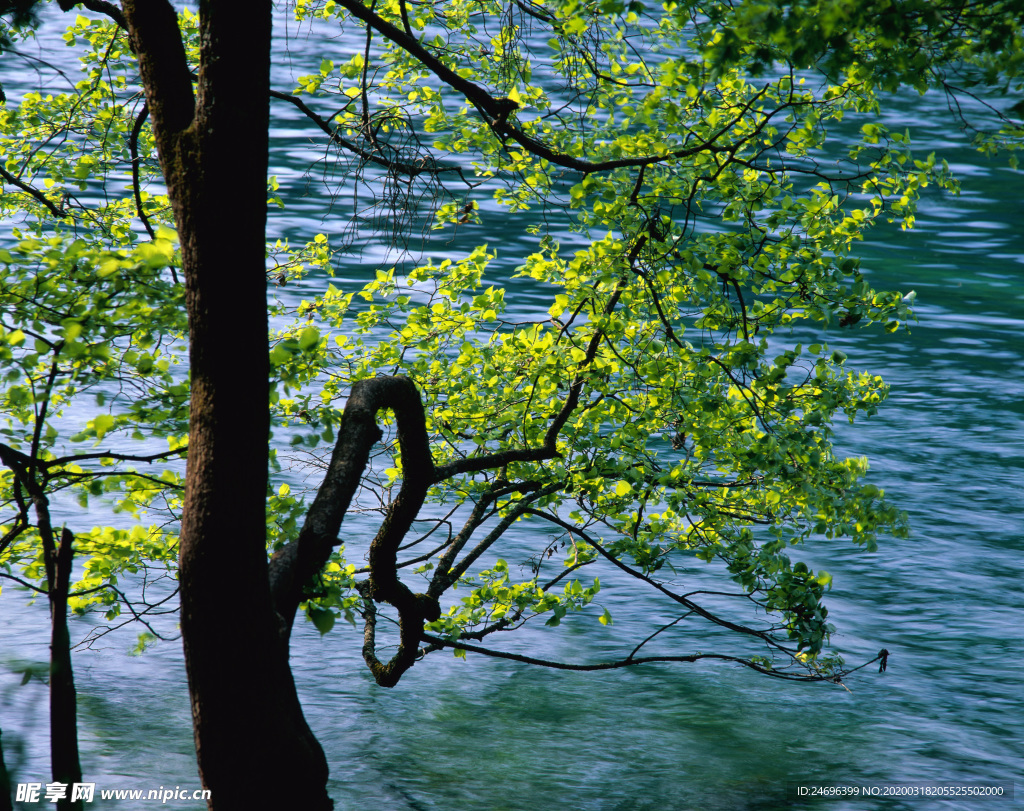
column 491, row 735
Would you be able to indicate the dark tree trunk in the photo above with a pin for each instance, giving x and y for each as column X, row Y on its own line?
column 6, row 801
column 57, row 558
column 63, row 704
column 254, row 747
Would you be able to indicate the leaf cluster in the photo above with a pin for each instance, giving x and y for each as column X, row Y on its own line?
column 666, row 415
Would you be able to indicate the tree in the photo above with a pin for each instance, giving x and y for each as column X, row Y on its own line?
column 674, row 403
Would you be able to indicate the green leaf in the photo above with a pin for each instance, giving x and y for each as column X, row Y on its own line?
column 322, row 618
column 310, row 336
column 102, row 424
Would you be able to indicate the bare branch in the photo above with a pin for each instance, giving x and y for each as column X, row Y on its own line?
column 21, row 582
column 630, row 662
column 133, row 146
column 120, row 457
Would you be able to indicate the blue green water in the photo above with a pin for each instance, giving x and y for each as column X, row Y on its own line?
column 487, row 735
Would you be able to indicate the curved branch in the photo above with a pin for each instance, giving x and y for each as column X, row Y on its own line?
column 294, row 565
column 383, row 583
column 133, row 146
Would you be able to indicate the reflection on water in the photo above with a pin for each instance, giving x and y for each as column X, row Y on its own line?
column 487, row 735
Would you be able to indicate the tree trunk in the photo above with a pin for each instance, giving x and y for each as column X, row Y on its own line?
column 253, row 744
column 6, row 797
column 57, row 558
column 63, row 704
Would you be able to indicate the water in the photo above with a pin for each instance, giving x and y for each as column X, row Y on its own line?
column 490, row 735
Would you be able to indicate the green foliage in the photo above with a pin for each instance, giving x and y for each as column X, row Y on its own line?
column 73, row 147
column 90, row 351
column 680, row 372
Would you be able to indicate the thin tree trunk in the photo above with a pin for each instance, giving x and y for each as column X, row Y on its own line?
column 57, row 559
column 64, row 758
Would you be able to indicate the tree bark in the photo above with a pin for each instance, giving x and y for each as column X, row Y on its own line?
column 253, row 744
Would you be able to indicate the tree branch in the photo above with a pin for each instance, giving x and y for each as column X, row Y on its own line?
column 496, row 110
column 384, row 584
column 99, row 6
column 445, row 577
column 38, row 195
column 630, row 662
column 293, row 566
column 399, row 167
column 153, row 25
column 133, row 146
column 549, row 449
column 681, row 599
column 120, row 457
